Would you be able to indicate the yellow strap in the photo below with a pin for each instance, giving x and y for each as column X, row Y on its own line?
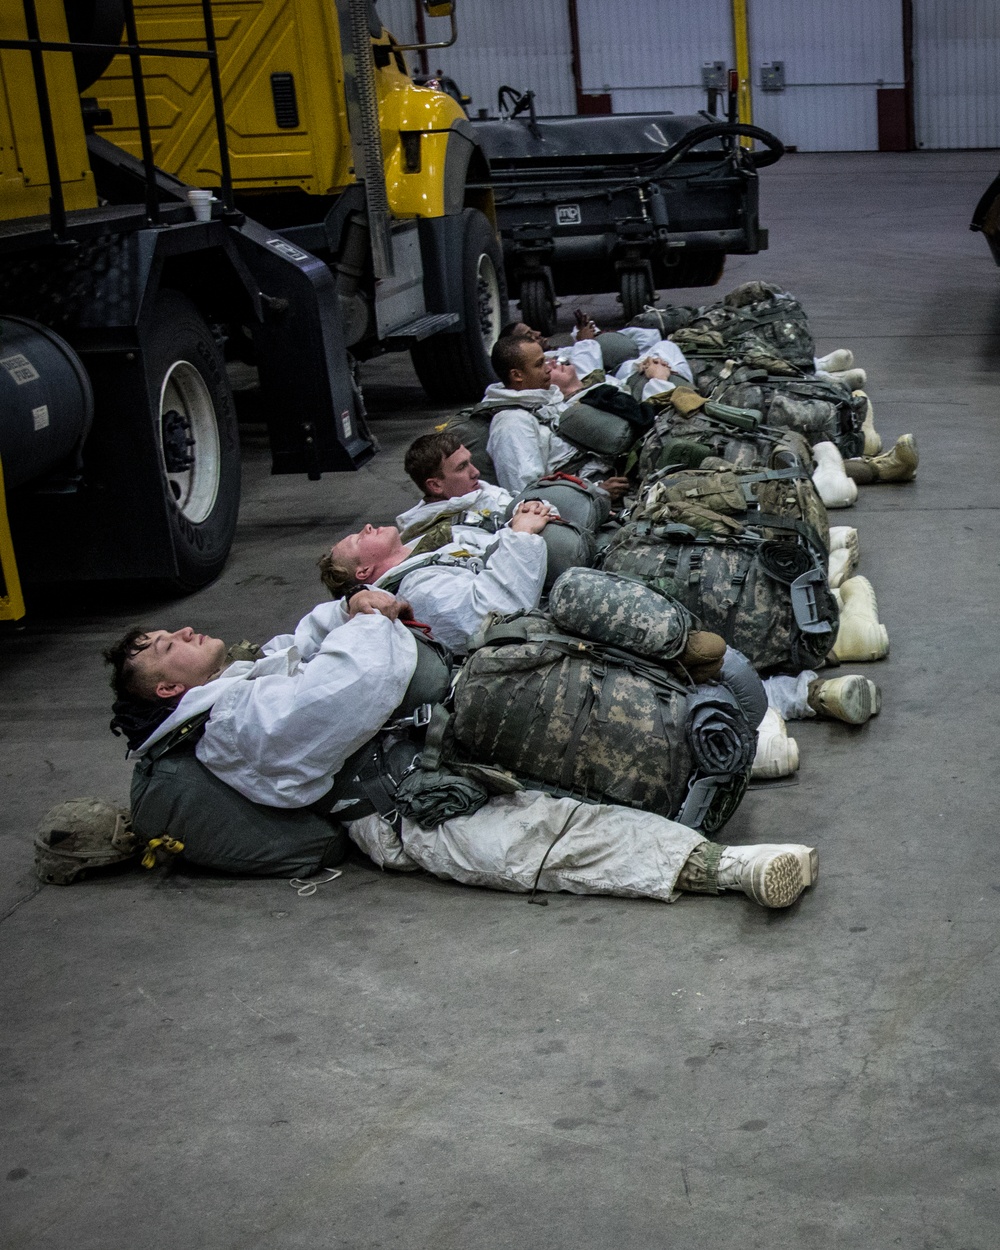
column 11, row 600
column 168, row 844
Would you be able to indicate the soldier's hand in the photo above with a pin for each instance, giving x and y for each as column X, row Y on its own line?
column 531, row 517
column 654, row 368
column 368, row 602
column 617, row 488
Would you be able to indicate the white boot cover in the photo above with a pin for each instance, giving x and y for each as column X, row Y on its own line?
column 789, row 696
column 835, row 361
column 873, row 440
column 777, row 754
column 835, row 488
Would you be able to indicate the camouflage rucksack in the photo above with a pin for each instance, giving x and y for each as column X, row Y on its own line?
column 768, row 598
column 819, row 410
column 667, row 319
column 732, row 434
column 757, row 318
column 750, row 496
column 576, row 717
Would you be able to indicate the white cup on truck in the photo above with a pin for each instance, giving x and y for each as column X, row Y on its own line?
column 201, row 203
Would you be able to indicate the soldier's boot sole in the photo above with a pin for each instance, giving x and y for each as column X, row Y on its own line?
column 772, row 875
column 845, row 536
column 852, row 699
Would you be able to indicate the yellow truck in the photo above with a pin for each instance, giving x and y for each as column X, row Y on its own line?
column 349, row 214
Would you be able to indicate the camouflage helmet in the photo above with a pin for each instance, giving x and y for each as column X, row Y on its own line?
column 81, row 834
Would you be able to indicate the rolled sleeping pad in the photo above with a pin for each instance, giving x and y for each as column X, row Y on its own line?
column 567, row 547
column 577, row 502
column 744, row 681
column 46, row 401
column 616, row 348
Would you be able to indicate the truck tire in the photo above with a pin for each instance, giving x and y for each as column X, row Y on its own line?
column 455, row 368
column 538, row 305
column 697, row 269
column 636, row 292
column 197, row 437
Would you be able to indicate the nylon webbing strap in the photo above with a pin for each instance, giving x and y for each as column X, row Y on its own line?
column 183, row 736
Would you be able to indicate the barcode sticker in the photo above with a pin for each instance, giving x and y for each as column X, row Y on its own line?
column 40, row 416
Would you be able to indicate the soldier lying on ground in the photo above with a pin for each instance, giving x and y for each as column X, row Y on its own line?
column 278, row 729
column 442, row 469
column 454, row 586
column 524, row 443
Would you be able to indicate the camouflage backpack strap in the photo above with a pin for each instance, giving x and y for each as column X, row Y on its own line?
column 392, row 580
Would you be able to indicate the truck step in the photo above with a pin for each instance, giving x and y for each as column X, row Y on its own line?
column 414, row 331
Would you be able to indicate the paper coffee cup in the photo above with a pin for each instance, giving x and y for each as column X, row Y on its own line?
column 201, row 204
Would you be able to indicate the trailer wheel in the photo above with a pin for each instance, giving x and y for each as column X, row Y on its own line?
column 538, row 304
column 454, row 368
column 636, row 292
column 197, row 437
column 698, row 269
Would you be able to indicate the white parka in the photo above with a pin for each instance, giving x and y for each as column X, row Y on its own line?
column 281, row 727
column 455, row 597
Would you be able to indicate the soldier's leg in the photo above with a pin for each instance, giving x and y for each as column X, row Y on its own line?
column 534, row 841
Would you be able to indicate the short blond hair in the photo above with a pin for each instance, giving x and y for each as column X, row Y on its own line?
column 337, row 574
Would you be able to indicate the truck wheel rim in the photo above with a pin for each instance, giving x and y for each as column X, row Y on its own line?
column 189, row 442
column 488, row 297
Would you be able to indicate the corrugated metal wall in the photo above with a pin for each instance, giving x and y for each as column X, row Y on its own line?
column 524, row 43
column 836, row 54
column 956, row 64
column 648, row 54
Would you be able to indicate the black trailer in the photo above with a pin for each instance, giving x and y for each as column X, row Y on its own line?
column 628, row 202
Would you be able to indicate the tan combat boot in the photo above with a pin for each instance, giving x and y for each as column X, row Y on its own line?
column 898, row 465
column 772, row 875
column 845, row 536
column 852, row 699
column 843, row 564
column 861, row 636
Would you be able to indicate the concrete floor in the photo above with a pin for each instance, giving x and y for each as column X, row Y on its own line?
column 396, row 1061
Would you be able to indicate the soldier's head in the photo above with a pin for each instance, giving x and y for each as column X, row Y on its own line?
column 520, row 364
column 361, row 558
column 159, row 664
column 521, row 330
column 440, row 466
column 565, row 376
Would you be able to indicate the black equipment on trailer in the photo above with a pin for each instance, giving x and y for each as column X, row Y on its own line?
column 632, row 202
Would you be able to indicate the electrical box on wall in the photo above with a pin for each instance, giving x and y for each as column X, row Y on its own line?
column 713, row 75
column 772, row 76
